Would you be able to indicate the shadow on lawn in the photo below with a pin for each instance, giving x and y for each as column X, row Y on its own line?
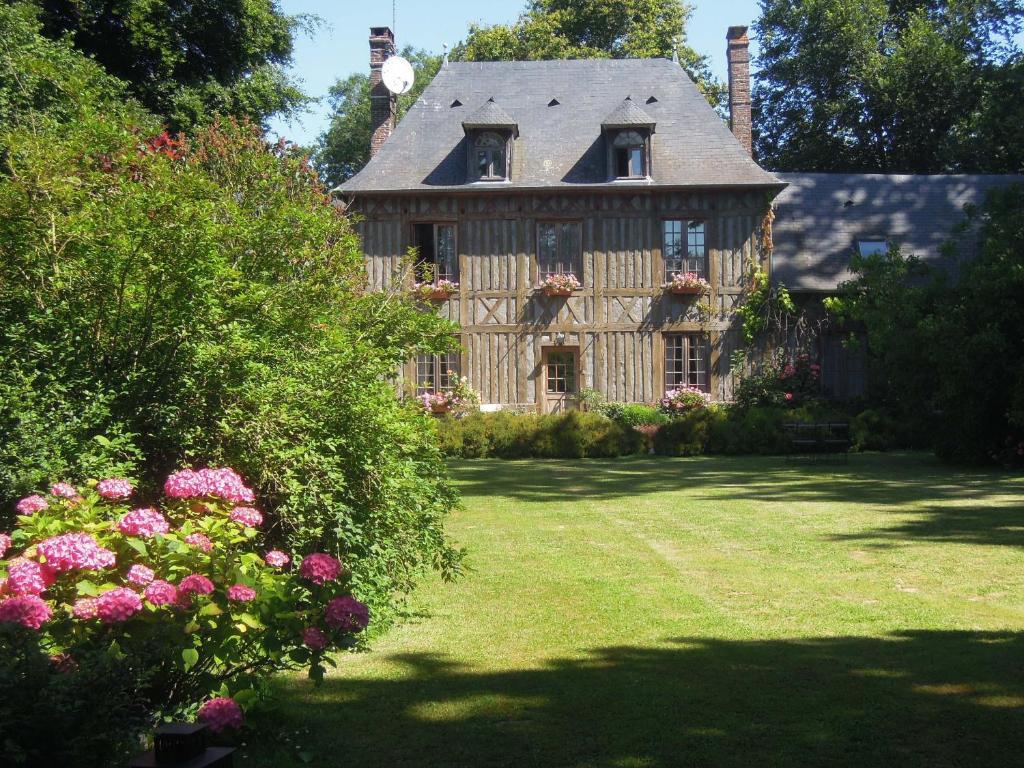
column 949, row 503
column 913, row 699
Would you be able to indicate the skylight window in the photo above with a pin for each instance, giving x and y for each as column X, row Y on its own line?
column 872, row 247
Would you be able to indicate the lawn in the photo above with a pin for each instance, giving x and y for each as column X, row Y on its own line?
column 705, row 611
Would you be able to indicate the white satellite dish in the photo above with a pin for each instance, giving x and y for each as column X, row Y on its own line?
column 397, row 75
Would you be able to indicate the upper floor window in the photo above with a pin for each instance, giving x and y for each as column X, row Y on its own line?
column 872, row 247
column 437, row 258
column 686, row 361
column 559, row 249
column 491, row 153
column 629, row 155
column 683, row 248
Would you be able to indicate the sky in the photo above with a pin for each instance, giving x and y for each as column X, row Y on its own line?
column 340, row 46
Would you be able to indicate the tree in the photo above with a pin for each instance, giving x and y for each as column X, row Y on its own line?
column 185, row 61
column 345, row 147
column 580, row 29
column 917, row 86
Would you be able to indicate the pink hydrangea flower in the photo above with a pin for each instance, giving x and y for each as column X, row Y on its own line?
column 277, row 558
column 789, row 397
column 73, row 551
column 28, row 610
column 314, row 638
column 140, row 575
column 114, row 488
column 5, row 543
column 31, row 504
column 85, row 608
column 161, row 593
column 143, row 522
column 119, row 604
column 320, row 568
column 64, row 491
column 199, row 541
column 247, row 516
column 221, row 714
column 223, row 483
column 241, row 593
column 346, row 614
column 27, row 577
column 195, row 584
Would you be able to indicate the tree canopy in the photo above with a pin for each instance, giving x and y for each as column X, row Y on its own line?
column 915, row 86
column 185, row 61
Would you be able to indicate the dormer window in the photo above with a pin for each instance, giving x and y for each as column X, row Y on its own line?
column 628, row 130
column 629, row 155
column 491, row 157
column 490, row 134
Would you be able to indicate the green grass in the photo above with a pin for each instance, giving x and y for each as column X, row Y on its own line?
column 705, row 611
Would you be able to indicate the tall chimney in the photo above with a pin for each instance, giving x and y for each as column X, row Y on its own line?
column 382, row 101
column 738, row 55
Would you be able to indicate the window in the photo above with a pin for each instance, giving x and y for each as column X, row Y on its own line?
column 438, row 259
column 629, row 155
column 686, row 356
column 683, row 247
column 872, row 247
column 558, row 249
column 490, row 153
column 436, row 373
column 560, row 375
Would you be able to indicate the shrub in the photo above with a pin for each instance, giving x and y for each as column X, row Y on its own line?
column 686, row 434
column 782, row 381
column 205, row 302
column 182, row 594
column 636, row 415
column 572, row 434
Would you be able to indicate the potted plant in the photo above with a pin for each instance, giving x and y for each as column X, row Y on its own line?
column 436, row 402
column 561, row 284
column 442, row 290
column 687, row 283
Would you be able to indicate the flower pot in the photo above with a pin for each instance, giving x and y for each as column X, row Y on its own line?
column 551, row 291
column 439, row 294
column 686, row 290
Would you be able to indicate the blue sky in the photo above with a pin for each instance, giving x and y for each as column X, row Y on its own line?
column 340, row 46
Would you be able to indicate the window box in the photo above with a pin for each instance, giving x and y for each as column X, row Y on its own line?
column 687, row 284
column 560, row 284
column 442, row 290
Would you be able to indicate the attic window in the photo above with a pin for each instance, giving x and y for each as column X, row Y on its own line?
column 872, row 247
column 554, row 103
column 456, row 103
column 490, row 149
column 629, row 155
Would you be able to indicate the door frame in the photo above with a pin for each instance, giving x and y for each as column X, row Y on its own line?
column 542, row 378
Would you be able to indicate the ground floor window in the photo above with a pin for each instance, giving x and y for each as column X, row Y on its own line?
column 686, row 356
column 560, row 377
column 436, row 373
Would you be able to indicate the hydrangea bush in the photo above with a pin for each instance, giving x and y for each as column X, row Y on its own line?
column 183, row 590
column 684, row 400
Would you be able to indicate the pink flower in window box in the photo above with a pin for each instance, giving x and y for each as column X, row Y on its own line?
column 687, row 283
column 562, row 284
column 439, row 291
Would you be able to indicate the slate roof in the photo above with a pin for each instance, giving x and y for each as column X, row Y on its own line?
column 560, row 146
column 820, row 217
column 490, row 115
column 627, row 115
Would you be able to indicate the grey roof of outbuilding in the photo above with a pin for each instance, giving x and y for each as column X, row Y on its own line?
column 490, row 114
column 820, row 217
column 627, row 114
column 560, row 146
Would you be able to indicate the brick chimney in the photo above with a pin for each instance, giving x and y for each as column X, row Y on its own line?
column 382, row 101
column 738, row 55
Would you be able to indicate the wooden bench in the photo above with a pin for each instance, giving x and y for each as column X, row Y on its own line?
column 814, row 440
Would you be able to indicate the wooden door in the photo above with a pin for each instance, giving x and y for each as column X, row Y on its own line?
column 560, row 378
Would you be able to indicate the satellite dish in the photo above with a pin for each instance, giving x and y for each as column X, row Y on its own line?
column 397, row 75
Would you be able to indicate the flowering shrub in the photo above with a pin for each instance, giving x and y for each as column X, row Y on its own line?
column 460, row 399
column 440, row 289
column 684, row 400
column 688, row 282
column 178, row 587
column 785, row 381
column 564, row 282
